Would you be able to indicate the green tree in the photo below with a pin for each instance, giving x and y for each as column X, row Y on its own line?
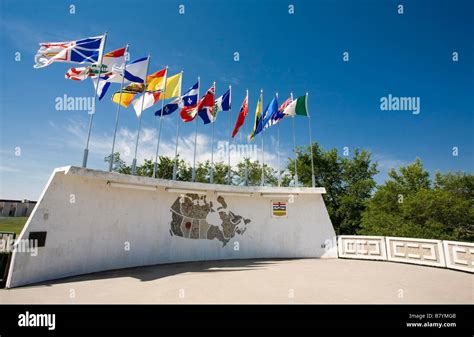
column 203, row 171
column 221, row 171
column 410, row 205
column 253, row 171
column 164, row 169
column 118, row 165
column 349, row 182
column 146, row 169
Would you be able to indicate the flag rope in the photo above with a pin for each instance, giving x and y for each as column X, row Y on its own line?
column 230, row 136
column 117, row 115
column 134, row 163
column 155, row 164
column 193, row 178
column 175, row 162
column 313, row 182
column 294, row 147
column 211, row 173
column 86, row 150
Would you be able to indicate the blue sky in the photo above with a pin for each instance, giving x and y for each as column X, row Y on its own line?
column 407, row 55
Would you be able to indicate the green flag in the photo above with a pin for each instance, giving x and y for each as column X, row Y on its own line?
column 297, row 107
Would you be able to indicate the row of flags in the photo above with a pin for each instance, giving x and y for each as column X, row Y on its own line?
column 142, row 90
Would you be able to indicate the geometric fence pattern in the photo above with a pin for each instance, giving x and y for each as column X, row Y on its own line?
column 435, row 253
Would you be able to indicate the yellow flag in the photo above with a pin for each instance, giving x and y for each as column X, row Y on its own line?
column 126, row 98
column 173, row 86
column 258, row 112
column 156, row 81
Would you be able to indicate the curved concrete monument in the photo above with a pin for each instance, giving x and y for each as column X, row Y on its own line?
column 87, row 221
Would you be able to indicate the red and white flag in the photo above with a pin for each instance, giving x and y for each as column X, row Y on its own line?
column 112, row 62
column 148, row 99
column 188, row 113
column 244, row 110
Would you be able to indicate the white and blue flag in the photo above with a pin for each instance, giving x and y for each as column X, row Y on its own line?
column 87, row 50
column 134, row 72
column 188, row 99
column 191, row 96
column 223, row 102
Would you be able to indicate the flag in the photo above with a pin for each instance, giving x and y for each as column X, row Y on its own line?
column 271, row 109
column 134, row 72
column 207, row 101
column 188, row 113
column 188, row 99
column 154, row 86
column 223, row 102
column 127, row 98
column 173, row 86
column 258, row 112
column 156, row 81
column 87, row 50
column 278, row 115
column 128, row 93
column 79, row 74
column 191, row 96
column 209, row 115
column 244, row 110
column 298, row 107
column 169, row 108
column 111, row 62
column 145, row 101
column 206, row 106
column 285, row 104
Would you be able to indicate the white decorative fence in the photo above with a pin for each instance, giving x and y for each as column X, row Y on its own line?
column 436, row 253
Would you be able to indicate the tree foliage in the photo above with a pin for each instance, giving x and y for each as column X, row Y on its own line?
column 349, row 182
column 409, row 204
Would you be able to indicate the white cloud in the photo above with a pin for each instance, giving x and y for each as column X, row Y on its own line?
column 126, row 138
column 8, row 169
column 386, row 162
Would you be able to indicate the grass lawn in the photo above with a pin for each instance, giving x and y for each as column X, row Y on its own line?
column 13, row 224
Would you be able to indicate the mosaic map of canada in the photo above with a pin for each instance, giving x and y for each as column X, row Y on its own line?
column 194, row 217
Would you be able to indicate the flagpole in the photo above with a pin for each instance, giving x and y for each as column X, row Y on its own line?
column 313, row 182
column 294, row 145
column 278, row 150
column 155, row 164
column 246, row 161
column 117, row 115
column 175, row 163
column 263, row 153
column 230, row 136
column 193, row 178
column 86, row 150
column 211, row 173
column 134, row 163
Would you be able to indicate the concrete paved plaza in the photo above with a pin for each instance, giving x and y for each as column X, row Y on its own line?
column 257, row 281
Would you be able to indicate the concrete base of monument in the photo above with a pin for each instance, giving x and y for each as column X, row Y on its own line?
column 256, row 281
column 89, row 221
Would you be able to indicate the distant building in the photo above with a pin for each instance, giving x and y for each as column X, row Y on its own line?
column 16, row 207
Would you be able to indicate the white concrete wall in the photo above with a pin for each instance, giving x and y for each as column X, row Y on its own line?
column 416, row 251
column 89, row 223
column 459, row 255
column 362, row 247
column 435, row 253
